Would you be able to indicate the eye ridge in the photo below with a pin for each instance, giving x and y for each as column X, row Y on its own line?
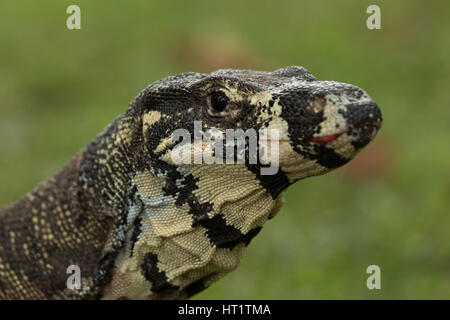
column 218, row 102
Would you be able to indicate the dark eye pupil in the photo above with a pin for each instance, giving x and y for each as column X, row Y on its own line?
column 219, row 102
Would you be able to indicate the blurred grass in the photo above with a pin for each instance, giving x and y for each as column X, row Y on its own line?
column 389, row 207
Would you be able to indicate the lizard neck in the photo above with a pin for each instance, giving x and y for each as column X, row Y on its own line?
column 46, row 232
column 185, row 234
column 106, row 174
column 72, row 219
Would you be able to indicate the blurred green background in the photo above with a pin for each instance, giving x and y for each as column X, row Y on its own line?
column 388, row 207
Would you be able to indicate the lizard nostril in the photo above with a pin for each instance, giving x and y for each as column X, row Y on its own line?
column 317, row 105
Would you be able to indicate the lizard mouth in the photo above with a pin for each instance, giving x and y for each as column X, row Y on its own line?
column 325, row 139
column 362, row 131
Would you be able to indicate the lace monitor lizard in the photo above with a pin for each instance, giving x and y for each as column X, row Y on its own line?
column 140, row 226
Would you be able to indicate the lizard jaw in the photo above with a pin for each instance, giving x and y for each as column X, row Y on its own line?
column 325, row 139
column 364, row 130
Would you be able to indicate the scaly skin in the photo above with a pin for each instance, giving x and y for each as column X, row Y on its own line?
column 140, row 226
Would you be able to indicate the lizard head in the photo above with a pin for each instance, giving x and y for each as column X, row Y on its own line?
column 320, row 125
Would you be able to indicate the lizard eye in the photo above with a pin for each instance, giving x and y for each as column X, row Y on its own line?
column 217, row 102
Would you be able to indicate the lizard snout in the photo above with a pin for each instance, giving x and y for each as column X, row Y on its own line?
column 363, row 121
column 361, row 113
